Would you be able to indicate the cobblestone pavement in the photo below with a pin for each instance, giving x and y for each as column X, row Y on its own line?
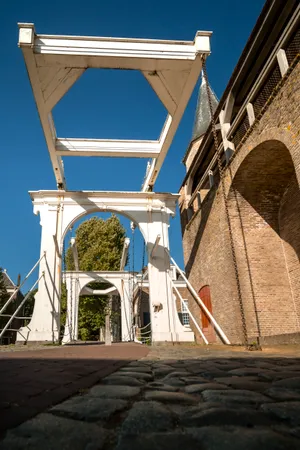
column 178, row 398
column 34, row 378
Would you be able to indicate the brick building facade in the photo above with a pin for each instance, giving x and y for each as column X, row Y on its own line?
column 258, row 130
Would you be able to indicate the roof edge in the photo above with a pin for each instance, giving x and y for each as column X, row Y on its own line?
column 263, row 14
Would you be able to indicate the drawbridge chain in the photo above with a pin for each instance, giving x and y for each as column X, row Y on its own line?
column 132, row 225
column 141, row 286
column 222, row 173
column 69, row 313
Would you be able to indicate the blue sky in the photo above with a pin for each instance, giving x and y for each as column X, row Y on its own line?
column 102, row 104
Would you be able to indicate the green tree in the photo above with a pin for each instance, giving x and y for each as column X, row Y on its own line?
column 4, row 296
column 3, row 292
column 99, row 245
column 63, row 309
column 29, row 306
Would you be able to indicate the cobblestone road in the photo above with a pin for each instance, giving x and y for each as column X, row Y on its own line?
column 34, row 378
column 178, row 398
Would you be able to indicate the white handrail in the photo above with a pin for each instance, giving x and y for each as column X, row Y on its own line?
column 189, row 312
column 148, row 324
column 142, row 334
column 19, row 287
column 202, row 305
column 135, row 339
column 20, row 306
column 17, row 317
column 146, row 332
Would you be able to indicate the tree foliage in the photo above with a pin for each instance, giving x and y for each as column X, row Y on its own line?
column 29, row 305
column 99, row 245
column 3, row 291
column 91, row 317
column 4, row 296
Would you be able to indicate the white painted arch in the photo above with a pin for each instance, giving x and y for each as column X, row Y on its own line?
column 59, row 210
column 76, row 281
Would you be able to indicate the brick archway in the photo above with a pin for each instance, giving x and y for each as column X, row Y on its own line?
column 287, row 136
column 264, row 206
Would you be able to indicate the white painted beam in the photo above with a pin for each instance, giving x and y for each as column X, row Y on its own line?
column 176, row 63
column 85, row 46
column 108, row 148
column 26, row 36
column 124, row 254
column 250, row 113
column 228, row 146
column 75, row 253
column 228, row 108
column 150, row 169
column 282, row 61
column 175, row 81
column 88, row 291
column 157, row 83
column 171, row 125
column 59, row 86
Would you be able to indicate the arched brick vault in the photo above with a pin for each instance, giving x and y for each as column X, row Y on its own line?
column 288, row 136
column 264, row 208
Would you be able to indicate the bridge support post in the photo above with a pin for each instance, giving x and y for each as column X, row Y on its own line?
column 59, row 210
column 165, row 324
column 71, row 325
column 107, row 323
column 45, row 322
column 126, row 312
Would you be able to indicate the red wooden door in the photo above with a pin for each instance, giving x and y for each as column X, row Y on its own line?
column 207, row 327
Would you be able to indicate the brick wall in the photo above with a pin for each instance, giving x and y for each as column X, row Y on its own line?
column 262, row 187
column 289, row 224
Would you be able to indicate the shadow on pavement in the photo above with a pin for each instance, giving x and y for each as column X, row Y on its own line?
column 32, row 381
column 171, row 397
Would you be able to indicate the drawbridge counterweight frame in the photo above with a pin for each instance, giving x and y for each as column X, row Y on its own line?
column 55, row 63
